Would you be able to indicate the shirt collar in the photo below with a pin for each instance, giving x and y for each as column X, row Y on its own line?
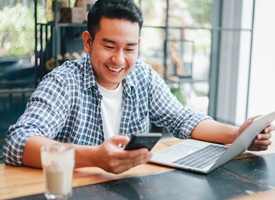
column 88, row 73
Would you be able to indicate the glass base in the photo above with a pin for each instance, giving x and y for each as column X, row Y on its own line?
column 58, row 196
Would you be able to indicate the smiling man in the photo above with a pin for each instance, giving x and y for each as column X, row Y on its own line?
column 99, row 101
column 113, row 49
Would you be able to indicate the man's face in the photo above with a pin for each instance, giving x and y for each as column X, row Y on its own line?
column 114, row 50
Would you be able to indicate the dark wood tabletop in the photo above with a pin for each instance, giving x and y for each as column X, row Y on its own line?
column 249, row 176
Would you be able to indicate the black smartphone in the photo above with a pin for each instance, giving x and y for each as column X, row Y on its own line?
column 147, row 140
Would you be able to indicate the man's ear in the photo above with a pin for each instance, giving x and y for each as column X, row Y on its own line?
column 87, row 41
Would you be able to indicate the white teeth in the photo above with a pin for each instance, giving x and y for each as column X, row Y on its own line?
column 114, row 69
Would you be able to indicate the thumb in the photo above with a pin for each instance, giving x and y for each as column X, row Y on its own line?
column 247, row 123
column 120, row 140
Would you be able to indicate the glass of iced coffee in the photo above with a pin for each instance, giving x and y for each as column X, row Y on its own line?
column 58, row 164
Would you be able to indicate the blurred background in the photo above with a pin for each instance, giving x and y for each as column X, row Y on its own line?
column 217, row 56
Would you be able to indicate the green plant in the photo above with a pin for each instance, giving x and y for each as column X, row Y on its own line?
column 17, row 30
column 177, row 91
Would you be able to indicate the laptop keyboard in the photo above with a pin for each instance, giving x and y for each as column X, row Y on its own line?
column 202, row 158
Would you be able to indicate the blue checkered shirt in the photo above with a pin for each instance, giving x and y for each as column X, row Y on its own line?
column 66, row 107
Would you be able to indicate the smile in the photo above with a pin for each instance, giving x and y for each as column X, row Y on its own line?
column 114, row 69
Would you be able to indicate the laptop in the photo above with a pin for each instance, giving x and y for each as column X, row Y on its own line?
column 204, row 157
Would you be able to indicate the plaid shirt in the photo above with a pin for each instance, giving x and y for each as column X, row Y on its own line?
column 66, row 107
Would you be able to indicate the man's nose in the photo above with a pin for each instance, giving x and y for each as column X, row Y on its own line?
column 118, row 58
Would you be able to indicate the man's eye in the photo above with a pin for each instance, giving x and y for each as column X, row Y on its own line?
column 130, row 50
column 109, row 47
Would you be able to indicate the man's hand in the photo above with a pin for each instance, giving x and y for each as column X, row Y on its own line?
column 262, row 140
column 111, row 158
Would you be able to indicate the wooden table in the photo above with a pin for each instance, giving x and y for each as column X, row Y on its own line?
column 23, row 181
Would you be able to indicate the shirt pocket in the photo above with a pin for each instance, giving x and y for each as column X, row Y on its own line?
column 140, row 125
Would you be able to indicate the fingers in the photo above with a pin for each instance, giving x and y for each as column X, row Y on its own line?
column 256, row 147
column 264, row 137
column 116, row 160
column 136, row 157
column 246, row 124
column 262, row 141
column 269, row 129
column 125, row 160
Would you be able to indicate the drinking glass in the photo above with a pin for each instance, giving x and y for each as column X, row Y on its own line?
column 58, row 164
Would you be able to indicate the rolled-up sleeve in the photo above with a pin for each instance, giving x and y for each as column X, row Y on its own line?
column 44, row 116
column 167, row 111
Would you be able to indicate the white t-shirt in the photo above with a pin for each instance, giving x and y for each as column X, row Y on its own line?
column 111, row 110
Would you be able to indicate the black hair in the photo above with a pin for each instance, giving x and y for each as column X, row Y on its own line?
column 112, row 9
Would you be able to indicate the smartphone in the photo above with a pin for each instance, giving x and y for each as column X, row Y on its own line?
column 147, row 140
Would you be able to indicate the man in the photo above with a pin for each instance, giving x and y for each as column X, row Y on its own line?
column 97, row 102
